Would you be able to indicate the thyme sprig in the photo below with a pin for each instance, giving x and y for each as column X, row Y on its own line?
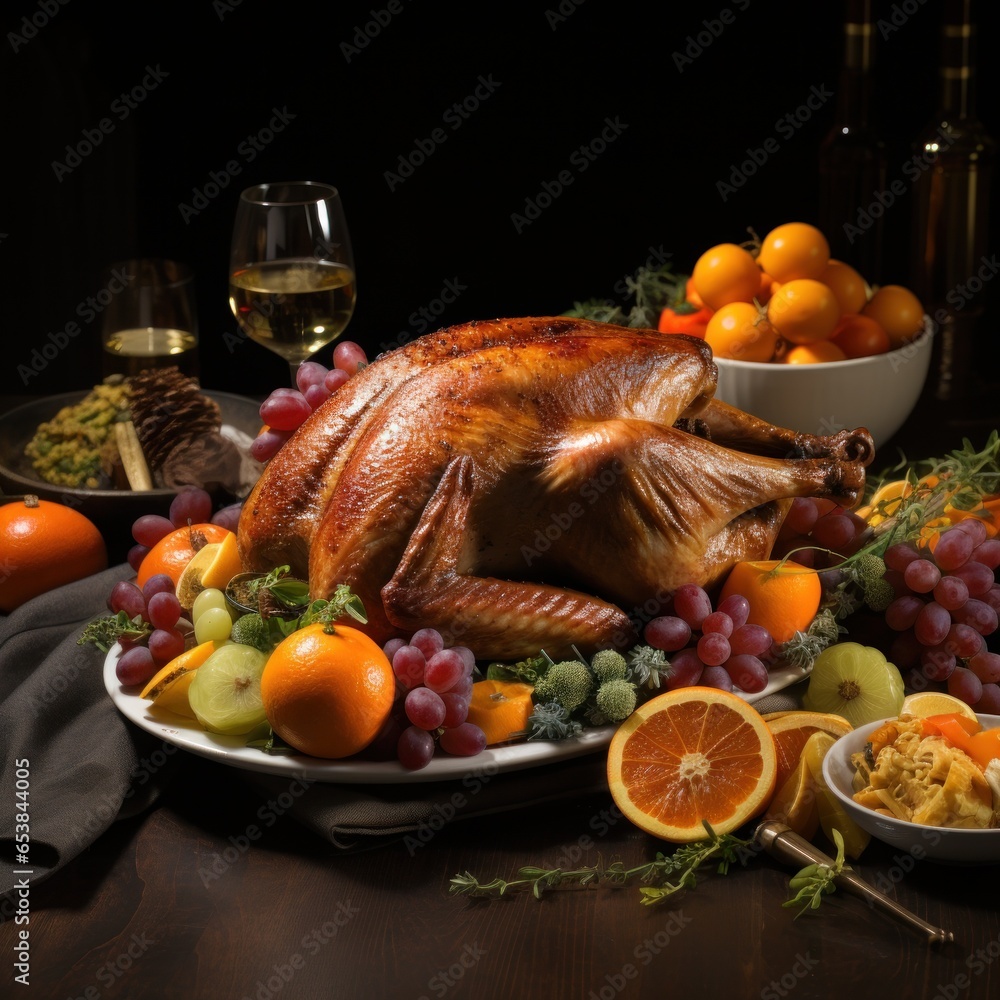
column 343, row 602
column 105, row 632
column 815, row 881
column 658, row 875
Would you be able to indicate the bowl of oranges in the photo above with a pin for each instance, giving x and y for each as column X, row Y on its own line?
column 802, row 340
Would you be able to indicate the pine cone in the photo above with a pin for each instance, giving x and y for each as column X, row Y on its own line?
column 169, row 408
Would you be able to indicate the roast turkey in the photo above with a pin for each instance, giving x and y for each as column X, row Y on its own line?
column 537, row 483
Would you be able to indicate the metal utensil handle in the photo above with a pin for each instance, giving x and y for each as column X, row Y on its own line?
column 783, row 843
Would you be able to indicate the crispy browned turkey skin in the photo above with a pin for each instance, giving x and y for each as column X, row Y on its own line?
column 525, row 484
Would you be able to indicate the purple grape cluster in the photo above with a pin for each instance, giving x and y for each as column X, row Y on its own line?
column 947, row 602
column 715, row 647
column 286, row 409
column 155, row 604
column 433, row 691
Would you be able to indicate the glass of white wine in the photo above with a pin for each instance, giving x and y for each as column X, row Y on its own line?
column 291, row 270
column 150, row 316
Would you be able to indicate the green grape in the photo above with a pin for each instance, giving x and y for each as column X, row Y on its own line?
column 211, row 597
column 213, row 623
column 225, row 691
column 856, row 682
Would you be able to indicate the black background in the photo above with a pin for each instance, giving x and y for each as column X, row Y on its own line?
column 561, row 71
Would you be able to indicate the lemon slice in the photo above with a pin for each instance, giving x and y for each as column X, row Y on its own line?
column 925, row 703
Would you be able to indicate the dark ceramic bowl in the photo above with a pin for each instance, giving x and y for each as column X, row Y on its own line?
column 113, row 511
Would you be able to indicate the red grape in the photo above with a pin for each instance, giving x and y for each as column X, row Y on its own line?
column 424, row 708
column 335, row 378
column 135, row 666
column 408, row 663
column 286, row 411
column 192, row 505
column 415, row 748
column 428, row 640
column 150, row 528
column 988, row 553
column 989, row 700
column 921, row 576
column 964, row 684
column 801, row 516
column 310, row 373
column 465, row 740
column 127, row 597
column 266, row 444
column 980, row 615
column 951, row 592
column 317, row 395
column 443, row 670
column 902, row 612
column 685, row 669
column 975, row 527
column 932, row 624
column 900, row 555
column 135, row 556
column 937, row 664
column 668, row 633
column 163, row 610
column 456, row 709
column 713, row 649
column 747, row 672
column 754, row 640
column 737, row 607
column 349, row 357
column 692, row 603
column 834, row 531
column 716, row 677
column 717, row 622
column 165, row 644
column 228, row 516
column 964, row 640
column 985, row 665
column 953, row 549
column 977, row 577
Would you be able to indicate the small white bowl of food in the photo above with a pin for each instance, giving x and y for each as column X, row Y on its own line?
column 908, row 783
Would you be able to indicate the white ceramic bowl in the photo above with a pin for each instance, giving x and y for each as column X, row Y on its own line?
column 878, row 393
column 920, row 842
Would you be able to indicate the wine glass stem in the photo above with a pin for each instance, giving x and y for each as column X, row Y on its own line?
column 294, row 366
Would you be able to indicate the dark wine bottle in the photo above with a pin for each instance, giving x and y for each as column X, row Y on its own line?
column 852, row 158
column 955, row 156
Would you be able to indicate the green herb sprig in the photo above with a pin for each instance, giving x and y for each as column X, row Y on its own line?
column 664, row 876
column 105, row 632
column 813, row 882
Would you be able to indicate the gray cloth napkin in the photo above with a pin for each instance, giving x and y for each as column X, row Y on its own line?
column 83, row 766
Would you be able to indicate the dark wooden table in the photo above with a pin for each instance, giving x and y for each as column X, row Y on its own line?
column 180, row 902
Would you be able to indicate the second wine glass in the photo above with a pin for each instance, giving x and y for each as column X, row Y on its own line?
column 292, row 285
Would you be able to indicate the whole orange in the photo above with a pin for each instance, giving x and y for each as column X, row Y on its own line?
column 44, row 545
column 174, row 551
column 784, row 596
column 327, row 693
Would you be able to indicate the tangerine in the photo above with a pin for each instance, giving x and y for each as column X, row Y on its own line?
column 45, row 545
column 500, row 708
column 692, row 756
column 740, row 331
column 327, row 693
column 784, row 596
column 172, row 553
column 846, row 284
